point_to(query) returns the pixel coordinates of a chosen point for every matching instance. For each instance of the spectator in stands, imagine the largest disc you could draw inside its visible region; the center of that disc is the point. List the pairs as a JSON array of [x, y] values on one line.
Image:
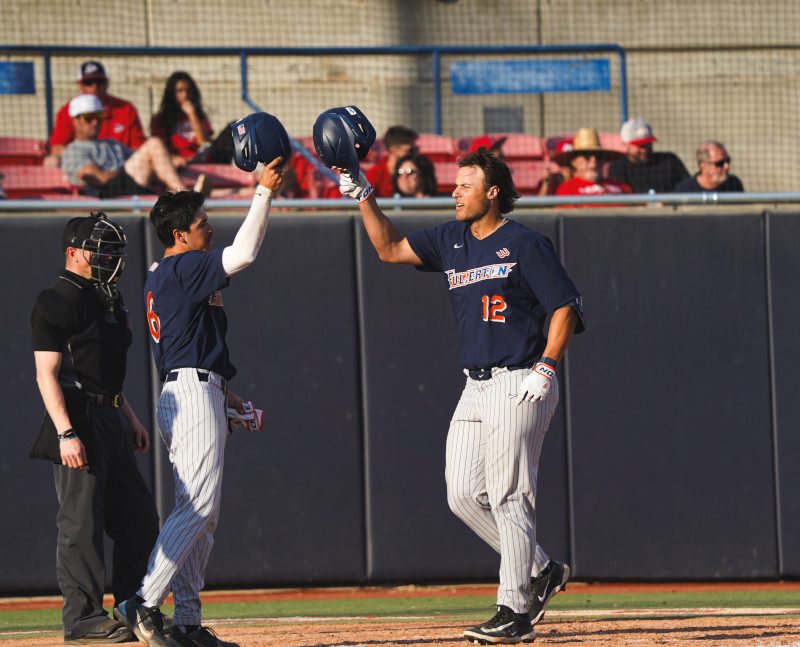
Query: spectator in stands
[[586, 159], [551, 181], [493, 145], [398, 142], [106, 168], [183, 126], [121, 119], [714, 175], [641, 168], [414, 177]]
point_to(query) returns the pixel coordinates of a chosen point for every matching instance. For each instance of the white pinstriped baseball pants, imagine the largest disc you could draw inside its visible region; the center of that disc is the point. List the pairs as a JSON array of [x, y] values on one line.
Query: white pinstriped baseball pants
[[192, 417], [492, 463]]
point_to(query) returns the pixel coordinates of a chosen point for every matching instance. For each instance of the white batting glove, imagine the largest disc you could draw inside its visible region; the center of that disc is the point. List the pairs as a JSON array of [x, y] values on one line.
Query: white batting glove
[[358, 188], [536, 386]]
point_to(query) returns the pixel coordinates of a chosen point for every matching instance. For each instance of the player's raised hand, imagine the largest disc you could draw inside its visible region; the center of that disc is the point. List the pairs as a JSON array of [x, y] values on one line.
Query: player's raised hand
[[536, 386], [272, 175], [358, 188]]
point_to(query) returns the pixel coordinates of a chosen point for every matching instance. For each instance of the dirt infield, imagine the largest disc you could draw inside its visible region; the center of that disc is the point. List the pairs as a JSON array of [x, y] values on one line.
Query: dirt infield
[[619, 627], [733, 631]]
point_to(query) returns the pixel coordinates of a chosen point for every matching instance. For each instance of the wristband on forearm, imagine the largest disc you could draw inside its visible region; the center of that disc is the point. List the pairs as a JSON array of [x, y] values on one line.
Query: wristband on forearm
[[549, 361], [67, 435]]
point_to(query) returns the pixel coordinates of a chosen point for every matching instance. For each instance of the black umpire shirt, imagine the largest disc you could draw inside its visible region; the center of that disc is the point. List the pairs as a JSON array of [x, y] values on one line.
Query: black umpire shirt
[[71, 318]]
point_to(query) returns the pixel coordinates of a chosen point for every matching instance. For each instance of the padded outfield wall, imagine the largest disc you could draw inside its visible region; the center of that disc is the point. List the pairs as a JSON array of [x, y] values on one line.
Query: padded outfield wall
[[671, 455]]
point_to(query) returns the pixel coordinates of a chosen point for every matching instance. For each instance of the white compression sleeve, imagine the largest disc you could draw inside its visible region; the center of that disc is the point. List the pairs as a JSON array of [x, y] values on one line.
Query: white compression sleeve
[[247, 242]]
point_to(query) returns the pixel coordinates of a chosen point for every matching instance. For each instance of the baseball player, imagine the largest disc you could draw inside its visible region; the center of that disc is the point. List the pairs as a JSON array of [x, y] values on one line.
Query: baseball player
[[81, 335], [504, 280], [183, 294]]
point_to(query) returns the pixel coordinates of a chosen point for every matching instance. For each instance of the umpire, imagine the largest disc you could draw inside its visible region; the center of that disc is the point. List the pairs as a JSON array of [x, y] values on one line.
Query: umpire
[[81, 334]]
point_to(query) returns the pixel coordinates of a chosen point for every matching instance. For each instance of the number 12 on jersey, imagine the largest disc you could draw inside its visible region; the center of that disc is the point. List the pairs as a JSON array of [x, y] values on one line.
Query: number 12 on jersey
[[493, 307]]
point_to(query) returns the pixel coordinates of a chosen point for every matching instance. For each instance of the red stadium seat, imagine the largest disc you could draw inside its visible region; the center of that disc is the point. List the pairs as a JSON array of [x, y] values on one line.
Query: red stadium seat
[[222, 176], [612, 141], [519, 146], [437, 148], [21, 151], [445, 176], [528, 174], [22, 181]]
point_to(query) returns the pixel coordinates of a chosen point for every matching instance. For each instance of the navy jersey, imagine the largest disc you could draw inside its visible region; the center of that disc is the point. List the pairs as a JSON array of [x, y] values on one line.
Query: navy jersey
[[184, 311], [501, 288]]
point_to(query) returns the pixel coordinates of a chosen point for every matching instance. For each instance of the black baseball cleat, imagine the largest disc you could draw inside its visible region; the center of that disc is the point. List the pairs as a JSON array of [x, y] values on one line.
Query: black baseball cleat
[[506, 627], [201, 637], [145, 622], [551, 580]]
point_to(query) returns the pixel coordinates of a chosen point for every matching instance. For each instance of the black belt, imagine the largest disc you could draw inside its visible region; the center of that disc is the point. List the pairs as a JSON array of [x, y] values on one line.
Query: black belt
[[202, 375], [486, 373], [114, 400]]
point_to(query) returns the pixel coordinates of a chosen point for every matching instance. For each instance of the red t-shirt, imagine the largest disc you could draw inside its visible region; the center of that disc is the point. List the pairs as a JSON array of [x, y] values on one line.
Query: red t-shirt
[[121, 123], [182, 141], [579, 186], [380, 178]]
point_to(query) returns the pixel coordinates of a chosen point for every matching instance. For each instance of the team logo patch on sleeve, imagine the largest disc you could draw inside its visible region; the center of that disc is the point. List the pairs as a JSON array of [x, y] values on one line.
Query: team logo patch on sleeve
[[215, 299], [460, 279]]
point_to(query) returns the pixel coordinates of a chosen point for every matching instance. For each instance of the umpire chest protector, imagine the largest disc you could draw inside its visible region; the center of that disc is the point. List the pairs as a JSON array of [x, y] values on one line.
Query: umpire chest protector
[[91, 330]]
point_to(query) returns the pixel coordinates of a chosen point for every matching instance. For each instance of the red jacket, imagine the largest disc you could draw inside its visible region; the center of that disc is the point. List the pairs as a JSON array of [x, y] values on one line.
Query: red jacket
[[121, 123]]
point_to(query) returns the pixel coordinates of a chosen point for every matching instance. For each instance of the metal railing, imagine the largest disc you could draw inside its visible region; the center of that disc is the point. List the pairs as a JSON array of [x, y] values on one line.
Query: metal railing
[[138, 205], [435, 52]]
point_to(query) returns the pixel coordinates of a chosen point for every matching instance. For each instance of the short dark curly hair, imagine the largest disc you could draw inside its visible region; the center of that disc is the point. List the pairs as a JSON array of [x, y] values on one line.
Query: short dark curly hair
[[497, 174], [174, 211]]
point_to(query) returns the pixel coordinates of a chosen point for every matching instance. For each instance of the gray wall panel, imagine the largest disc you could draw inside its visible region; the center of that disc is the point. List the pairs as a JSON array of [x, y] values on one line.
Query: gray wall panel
[[670, 398], [784, 240], [413, 380], [292, 509]]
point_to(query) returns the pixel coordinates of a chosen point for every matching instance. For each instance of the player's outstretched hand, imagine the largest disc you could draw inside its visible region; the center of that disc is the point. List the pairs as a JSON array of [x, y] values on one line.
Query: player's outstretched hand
[[358, 188], [272, 175], [536, 386]]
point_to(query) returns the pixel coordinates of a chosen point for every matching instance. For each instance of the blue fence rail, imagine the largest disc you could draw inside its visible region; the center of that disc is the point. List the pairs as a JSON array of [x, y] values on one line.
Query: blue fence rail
[[433, 51]]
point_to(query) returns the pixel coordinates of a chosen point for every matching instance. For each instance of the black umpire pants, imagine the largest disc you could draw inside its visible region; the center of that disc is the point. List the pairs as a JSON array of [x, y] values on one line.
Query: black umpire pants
[[109, 496]]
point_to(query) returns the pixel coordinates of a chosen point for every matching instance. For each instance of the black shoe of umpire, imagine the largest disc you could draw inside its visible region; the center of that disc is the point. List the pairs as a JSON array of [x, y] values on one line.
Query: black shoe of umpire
[[551, 580], [108, 631]]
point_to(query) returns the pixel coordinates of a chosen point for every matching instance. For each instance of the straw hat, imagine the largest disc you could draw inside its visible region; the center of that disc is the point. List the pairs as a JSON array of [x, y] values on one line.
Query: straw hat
[[585, 141]]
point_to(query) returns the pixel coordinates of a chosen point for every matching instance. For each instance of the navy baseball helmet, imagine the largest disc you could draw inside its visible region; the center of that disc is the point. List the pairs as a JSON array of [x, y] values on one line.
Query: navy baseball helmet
[[259, 137], [342, 137]]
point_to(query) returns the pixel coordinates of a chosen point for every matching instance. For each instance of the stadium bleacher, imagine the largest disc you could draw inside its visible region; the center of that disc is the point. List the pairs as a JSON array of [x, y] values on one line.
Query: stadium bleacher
[[527, 156], [21, 151]]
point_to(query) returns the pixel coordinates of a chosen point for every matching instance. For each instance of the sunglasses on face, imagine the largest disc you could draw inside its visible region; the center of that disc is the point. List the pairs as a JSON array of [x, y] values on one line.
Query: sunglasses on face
[[722, 162], [91, 118], [406, 171], [90, 82]]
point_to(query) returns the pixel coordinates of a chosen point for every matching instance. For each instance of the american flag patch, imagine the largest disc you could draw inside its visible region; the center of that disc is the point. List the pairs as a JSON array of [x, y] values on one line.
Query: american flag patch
[[241, 129]]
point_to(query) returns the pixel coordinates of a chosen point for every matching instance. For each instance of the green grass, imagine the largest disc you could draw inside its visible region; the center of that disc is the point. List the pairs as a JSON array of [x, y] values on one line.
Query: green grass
[[466, 608]]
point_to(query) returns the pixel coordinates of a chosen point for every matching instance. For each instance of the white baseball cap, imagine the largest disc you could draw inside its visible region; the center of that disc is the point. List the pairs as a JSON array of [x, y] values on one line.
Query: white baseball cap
[[637, 132], [85, 104]]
